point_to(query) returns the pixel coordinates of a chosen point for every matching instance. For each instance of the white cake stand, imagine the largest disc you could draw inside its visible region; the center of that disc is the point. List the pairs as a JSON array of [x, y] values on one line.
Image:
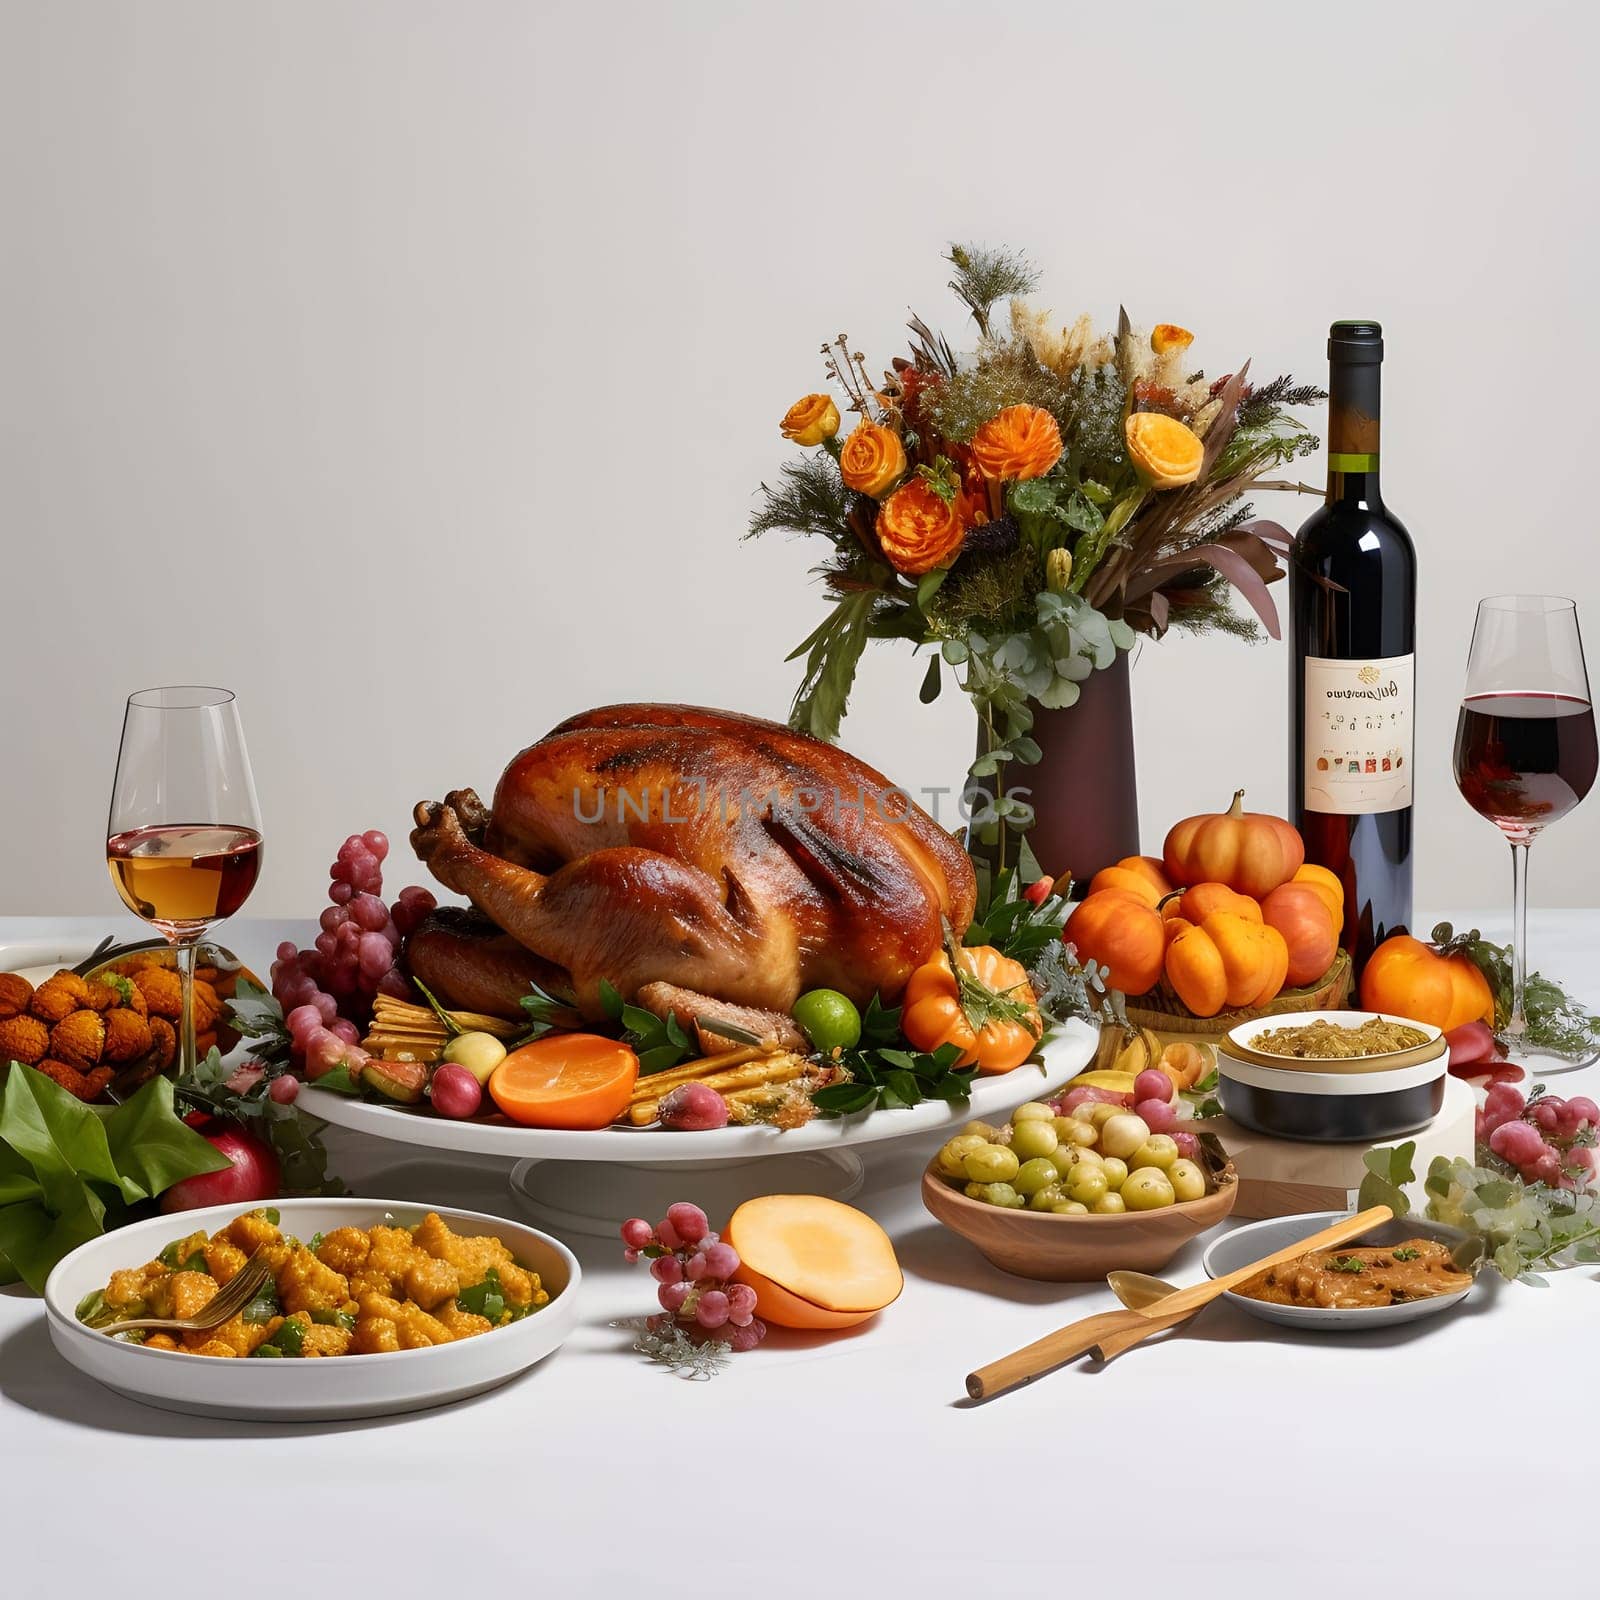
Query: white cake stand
[[588, 1182]]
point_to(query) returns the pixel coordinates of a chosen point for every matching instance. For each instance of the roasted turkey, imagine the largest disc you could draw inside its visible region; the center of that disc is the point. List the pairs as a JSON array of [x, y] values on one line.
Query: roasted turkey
[[705, 863]]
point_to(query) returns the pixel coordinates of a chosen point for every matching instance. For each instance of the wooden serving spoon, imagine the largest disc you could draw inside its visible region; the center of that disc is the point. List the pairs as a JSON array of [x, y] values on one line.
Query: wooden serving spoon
[[1112, 1332]]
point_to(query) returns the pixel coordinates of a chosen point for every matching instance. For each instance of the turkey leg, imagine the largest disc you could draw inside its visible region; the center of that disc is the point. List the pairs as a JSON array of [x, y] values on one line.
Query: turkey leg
[[627, 915]]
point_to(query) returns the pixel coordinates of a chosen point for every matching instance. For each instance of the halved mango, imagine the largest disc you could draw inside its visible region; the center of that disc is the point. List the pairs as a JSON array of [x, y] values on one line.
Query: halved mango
[[813, 1263]]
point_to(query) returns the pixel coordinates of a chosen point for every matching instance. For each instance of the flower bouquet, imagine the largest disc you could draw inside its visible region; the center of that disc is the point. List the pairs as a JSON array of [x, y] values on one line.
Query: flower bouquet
[[1028, 509]]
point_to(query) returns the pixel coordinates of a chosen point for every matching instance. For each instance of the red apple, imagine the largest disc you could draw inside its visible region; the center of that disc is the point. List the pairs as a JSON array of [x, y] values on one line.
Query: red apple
[[252, 1178]]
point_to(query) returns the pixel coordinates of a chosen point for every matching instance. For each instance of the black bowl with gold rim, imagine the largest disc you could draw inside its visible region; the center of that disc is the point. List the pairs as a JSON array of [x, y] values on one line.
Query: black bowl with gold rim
[[1333, 1100]]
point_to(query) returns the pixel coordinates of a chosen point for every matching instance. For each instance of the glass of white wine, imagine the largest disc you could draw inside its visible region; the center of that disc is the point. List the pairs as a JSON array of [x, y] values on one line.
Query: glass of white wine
[[183, 840]]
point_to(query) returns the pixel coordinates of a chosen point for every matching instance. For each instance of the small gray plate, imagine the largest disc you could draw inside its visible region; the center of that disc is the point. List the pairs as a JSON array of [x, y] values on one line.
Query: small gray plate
[[1244, 1245]]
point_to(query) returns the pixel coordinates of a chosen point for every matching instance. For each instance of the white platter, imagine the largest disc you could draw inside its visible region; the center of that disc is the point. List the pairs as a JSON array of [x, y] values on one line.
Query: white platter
[[1066, 1053], [302, 1391], [1244, 1245]]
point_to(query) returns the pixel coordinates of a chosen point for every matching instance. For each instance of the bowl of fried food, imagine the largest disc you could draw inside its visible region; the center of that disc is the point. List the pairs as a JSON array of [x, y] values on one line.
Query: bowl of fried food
[[356, 1308]]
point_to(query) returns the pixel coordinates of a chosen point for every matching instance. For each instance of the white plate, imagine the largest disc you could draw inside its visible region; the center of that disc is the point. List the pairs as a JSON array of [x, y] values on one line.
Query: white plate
[[301, 1391], [1244, 1245], [1066, 1053]]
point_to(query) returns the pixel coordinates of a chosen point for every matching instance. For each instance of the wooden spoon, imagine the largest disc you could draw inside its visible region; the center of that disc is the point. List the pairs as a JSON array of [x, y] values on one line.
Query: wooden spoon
[[1112, 1332], [1136, 1290]]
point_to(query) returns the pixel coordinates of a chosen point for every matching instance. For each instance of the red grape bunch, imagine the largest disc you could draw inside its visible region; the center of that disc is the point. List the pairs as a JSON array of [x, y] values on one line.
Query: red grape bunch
[[1544, 1138], [693, 1269], [326, 992]]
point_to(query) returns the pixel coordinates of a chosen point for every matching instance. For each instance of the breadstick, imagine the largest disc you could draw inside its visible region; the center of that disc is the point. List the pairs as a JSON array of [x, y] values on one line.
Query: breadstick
[[652, 1087], [777, 1068]]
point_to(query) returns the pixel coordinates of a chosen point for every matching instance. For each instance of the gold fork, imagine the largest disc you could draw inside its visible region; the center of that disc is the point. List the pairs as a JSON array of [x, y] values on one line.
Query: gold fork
[[230, 1299]]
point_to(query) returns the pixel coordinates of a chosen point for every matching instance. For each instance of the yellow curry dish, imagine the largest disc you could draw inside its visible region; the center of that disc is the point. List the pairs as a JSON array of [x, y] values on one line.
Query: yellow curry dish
[[350, 1292]]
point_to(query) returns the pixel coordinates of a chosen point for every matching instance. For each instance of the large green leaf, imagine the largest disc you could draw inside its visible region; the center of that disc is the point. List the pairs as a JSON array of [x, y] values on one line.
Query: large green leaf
[[151, 1147], [33, 1238], [55, 1133]]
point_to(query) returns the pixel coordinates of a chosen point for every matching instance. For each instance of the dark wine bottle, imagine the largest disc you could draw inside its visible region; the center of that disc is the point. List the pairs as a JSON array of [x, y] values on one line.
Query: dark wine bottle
[[1352, 601]]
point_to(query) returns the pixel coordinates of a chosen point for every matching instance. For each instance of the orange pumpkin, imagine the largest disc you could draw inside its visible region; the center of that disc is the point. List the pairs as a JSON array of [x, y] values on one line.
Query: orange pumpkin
[[1225, 961], [1247, 850], [1124, 934], [1300, 913], [991, 1012], [1327, 884], [1198, 903], [1408, 978], [1142, 876]]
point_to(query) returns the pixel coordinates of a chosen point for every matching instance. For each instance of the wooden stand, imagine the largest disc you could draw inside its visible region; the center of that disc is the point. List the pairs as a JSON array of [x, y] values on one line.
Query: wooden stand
[[1283, 1177]]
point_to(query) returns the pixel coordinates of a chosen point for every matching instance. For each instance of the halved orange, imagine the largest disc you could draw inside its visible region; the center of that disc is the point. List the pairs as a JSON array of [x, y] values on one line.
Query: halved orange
[[1165, 451], [566, 1080]]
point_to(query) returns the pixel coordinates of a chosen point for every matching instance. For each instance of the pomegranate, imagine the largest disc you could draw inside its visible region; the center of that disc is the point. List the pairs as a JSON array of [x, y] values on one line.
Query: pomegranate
[[252, 1177]]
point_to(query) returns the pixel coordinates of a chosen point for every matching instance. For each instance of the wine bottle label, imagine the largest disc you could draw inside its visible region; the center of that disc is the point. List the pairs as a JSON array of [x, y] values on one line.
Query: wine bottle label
[[1356, 746]]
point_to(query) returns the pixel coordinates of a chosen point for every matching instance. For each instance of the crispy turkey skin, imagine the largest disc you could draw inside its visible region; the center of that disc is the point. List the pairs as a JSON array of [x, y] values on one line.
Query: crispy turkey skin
[[718, 853]]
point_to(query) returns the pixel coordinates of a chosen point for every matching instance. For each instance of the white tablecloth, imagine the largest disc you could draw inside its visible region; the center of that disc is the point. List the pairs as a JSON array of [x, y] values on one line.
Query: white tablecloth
[[1450, 1459]]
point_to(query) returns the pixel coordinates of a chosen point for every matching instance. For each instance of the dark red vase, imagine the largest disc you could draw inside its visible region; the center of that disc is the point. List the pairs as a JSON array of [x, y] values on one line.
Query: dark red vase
[[1083, 791]]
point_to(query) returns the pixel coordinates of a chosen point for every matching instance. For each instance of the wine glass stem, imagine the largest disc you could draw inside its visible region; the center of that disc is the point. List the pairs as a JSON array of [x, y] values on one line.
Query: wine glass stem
[[1518, 1023], [186, 960]]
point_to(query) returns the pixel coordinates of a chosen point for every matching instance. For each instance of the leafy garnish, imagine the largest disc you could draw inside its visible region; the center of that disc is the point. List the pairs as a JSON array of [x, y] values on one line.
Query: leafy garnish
[[659, 1042], [1350, 1264], [1556, 1021], [68, 1171], [545, 1012], [1406, 1253], [891, 1079], [1013, 924], [1514, 1226], [1388, 1172], [1068, 987]]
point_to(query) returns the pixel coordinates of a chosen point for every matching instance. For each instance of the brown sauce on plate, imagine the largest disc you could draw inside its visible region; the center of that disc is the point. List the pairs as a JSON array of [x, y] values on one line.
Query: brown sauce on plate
[[1346, 1279]]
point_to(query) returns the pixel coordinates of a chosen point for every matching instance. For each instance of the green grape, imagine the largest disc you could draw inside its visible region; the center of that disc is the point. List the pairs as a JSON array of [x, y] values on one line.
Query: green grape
[[991, 1163], [1108, 1205], [952, 1155], [1032, 1111], [1002, 1194], [1035, 1175], [1116, 1172], [1070, 1208], [1087, 1184], [1047, 1198], [1030, 1139]]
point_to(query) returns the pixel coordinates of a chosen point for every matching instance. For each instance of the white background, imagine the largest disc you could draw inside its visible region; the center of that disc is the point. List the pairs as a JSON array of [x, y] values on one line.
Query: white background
[[410, 367]]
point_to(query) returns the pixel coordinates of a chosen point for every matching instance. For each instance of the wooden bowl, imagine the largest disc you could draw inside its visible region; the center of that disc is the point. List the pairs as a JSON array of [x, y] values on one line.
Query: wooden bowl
[[1071, 1249]]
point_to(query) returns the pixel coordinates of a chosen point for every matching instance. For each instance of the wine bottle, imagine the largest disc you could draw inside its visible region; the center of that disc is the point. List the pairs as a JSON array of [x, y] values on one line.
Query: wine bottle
[[1352, 601]]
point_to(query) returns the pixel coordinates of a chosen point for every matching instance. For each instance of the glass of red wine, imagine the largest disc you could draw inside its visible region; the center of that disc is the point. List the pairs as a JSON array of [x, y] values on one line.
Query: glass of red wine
[[183, 840], [1525, 744]]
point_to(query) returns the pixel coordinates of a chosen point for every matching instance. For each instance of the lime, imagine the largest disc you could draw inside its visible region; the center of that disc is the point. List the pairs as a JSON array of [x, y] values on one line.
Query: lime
[[830, 1020]]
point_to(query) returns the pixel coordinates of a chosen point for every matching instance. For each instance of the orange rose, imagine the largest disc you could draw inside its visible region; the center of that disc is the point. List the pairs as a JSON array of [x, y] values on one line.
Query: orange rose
[[918, 529], [873, 459], [810, 420], [1020, 442]]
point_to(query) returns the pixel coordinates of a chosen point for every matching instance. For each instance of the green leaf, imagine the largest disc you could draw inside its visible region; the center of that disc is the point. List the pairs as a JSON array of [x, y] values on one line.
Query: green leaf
[[929, 584], [842, 1099], [932, 682], [833, 651], [152, 1147], [1388, 1172], [56, 1134], [254, 1012], [338, 1081], [33, 1239], [610, 1001]]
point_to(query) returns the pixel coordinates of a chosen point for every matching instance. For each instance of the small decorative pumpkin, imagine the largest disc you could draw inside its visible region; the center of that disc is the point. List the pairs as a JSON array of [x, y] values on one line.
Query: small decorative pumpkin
[[1225, 961], [1299, 911], [1408, 978], [1203, 899], [1122, 932], [1326, 883], [1247, 850], [990, 1009], [1141, 876]]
